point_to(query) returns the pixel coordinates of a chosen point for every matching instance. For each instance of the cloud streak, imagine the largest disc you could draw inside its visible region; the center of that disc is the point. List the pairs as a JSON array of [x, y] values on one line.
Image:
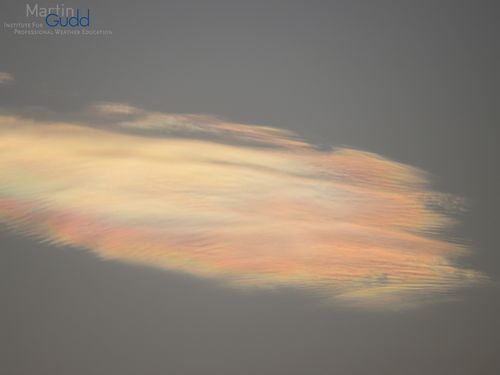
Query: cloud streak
[[253, 206], [6, 78]]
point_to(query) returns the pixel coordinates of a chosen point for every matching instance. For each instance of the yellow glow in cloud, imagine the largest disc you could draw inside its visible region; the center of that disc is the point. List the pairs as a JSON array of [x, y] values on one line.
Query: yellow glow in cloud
[[254, 206]]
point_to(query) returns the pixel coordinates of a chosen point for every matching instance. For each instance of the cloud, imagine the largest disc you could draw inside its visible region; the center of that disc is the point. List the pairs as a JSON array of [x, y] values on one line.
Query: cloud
[[6, 78], [112, 108], [253, 206]]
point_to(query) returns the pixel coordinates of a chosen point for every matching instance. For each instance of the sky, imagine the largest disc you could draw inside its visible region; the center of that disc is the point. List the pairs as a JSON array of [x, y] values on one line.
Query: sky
[[251, 188]]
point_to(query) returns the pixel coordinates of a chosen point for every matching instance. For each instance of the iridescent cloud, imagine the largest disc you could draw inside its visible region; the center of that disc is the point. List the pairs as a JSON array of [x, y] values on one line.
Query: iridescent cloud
[[250, 205]]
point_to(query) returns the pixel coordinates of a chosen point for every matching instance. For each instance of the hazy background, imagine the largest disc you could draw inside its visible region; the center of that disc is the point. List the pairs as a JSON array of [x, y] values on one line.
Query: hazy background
[[416, 81]]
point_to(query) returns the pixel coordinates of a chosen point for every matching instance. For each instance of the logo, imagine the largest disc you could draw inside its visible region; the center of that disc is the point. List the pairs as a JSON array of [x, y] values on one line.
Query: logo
[[55, 20], [59, 16]]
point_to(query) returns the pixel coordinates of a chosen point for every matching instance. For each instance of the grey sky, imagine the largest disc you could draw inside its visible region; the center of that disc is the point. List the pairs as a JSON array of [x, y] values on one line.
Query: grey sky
[[416, 81]]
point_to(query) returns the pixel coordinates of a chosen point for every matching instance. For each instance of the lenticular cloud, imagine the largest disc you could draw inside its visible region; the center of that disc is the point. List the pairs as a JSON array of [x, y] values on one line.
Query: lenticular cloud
[[249, 205]]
